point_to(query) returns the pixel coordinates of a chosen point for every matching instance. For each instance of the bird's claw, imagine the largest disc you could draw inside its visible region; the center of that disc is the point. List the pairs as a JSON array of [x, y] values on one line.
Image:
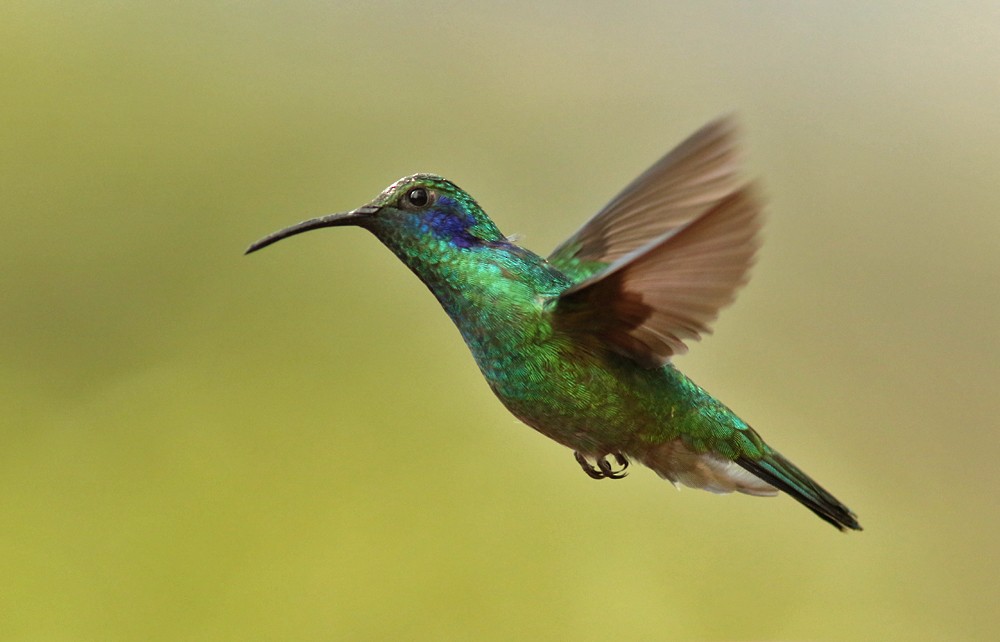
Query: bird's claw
[[592, 472], [604, 469], [604, 464]]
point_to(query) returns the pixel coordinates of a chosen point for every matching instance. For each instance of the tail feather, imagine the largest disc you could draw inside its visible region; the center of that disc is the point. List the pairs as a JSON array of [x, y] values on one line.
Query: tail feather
[[785, 476]]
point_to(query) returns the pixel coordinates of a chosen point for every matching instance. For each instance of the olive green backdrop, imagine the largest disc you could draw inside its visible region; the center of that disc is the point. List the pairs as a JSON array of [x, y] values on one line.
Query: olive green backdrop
[[198, 445]]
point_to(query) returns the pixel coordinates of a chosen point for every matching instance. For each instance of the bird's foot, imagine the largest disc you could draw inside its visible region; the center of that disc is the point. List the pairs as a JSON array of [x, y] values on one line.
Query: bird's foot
[[604, 464], [604, 468]]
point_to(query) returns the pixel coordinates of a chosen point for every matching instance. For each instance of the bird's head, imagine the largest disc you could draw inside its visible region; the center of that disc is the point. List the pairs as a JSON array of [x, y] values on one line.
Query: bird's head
[[417, 211]]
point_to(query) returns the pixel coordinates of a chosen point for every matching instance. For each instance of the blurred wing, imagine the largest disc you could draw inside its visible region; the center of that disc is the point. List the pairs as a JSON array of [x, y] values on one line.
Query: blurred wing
[[681, 186], [649, 302]]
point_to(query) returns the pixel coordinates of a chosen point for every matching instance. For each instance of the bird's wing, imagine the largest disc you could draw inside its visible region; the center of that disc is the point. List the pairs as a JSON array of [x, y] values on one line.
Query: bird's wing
[[680, 187], [648, 302]]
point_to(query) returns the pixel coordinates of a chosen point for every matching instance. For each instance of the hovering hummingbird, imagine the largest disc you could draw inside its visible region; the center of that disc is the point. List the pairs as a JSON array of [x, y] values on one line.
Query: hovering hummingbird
[[579, 345]]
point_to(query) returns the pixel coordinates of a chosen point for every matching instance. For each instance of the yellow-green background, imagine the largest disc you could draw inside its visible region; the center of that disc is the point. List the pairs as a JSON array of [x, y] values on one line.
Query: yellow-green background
[[197, 445]]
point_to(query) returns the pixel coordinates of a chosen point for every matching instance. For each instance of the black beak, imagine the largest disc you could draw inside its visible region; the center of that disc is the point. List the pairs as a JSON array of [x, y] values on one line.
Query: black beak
[[354, 217]]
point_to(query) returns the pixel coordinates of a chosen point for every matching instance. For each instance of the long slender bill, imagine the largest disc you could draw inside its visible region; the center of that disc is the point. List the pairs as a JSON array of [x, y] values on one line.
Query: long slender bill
[[354, 217]]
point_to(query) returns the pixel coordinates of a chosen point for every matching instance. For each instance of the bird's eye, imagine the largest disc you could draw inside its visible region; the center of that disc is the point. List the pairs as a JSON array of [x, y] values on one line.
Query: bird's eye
[[417, 197]]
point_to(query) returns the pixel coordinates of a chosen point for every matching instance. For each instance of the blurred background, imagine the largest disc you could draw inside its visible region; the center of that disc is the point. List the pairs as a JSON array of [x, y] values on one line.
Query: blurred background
[[199, 445]]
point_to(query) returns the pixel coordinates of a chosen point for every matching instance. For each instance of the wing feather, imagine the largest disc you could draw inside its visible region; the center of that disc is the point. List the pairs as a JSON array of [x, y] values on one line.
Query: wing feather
[[651, 300], [681, 186]]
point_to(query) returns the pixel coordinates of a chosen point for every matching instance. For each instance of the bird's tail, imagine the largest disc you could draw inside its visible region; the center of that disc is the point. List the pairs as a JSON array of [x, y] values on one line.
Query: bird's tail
[[785, 476]]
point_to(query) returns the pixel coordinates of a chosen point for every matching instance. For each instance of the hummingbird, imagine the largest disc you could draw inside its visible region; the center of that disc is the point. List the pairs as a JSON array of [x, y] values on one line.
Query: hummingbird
[[579, 345]]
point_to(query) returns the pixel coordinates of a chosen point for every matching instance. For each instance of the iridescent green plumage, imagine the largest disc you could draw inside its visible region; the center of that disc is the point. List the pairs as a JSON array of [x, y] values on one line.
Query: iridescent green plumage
[[578, 346]]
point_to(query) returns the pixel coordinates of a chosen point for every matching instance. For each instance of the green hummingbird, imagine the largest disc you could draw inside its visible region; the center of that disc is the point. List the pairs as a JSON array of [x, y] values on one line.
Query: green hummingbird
[[579, 345]]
